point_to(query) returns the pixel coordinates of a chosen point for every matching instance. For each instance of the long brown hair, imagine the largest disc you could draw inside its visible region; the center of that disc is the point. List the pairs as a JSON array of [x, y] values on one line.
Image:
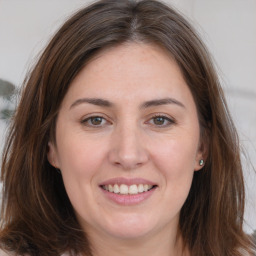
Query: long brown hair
[[37, 217]]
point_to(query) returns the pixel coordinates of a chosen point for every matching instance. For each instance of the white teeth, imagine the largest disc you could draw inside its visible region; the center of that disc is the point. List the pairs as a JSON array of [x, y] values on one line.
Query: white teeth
[[116, 189], [145, 187], [141, 188], [125, 190], [133, 189], [110, 188]]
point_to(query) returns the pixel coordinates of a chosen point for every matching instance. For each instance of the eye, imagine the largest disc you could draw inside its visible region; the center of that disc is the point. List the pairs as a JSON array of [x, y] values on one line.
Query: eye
[[161, 121], [94, 121]]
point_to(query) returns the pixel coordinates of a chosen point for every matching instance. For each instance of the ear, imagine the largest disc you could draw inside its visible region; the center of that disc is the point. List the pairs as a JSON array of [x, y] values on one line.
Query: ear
[[202, 153], [52, 155]]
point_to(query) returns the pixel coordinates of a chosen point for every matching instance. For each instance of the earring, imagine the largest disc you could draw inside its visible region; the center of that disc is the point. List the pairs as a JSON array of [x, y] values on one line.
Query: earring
[[201, 162], [57, 169]]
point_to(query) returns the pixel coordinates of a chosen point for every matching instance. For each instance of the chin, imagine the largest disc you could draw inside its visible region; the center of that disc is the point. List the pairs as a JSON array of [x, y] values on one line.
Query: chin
[[130, 227]]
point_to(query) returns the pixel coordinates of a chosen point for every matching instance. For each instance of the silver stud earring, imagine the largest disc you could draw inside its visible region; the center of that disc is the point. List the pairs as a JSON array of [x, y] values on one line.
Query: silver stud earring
[[201, 162]]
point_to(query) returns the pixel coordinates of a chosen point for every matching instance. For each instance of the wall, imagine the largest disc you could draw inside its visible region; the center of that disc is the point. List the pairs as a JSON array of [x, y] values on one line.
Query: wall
[[227, 26]]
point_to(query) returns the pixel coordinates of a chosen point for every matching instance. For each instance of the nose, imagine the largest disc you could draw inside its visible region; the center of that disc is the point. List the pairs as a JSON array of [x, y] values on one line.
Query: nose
[[127, 149]]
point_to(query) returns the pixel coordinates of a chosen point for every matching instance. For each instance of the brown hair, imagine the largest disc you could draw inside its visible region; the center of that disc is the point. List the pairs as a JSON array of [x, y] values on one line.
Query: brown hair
[[37, 216]]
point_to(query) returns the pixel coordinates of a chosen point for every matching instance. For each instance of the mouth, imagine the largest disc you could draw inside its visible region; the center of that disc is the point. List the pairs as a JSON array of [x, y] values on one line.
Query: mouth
[[124, 189], [129, 191]]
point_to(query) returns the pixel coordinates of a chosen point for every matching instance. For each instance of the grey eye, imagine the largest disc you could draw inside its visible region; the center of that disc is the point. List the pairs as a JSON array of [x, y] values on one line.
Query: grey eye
[[97, 120], [94, 121], [160, 120]]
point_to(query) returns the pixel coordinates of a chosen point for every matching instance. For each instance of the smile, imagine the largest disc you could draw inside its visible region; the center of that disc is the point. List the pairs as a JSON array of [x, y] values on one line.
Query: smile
[[128, 191], [124, 189]]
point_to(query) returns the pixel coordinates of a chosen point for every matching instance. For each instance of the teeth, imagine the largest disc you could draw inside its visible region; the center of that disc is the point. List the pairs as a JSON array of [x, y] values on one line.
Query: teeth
[[145, 187], [110, 188], [125, 190], [116, 189], [141, 188], [133, 189]]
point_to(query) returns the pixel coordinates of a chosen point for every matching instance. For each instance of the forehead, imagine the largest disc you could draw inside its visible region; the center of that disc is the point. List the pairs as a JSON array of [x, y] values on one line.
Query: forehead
[[128, 72], [132, 59]]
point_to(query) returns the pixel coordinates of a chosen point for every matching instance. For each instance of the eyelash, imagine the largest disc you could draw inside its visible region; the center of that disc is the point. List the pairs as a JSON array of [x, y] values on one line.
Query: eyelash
[[164, 117], [89, 119]]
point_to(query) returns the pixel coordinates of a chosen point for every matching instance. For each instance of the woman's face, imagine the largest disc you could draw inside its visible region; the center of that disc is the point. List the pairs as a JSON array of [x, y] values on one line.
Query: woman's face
[[128, 142]]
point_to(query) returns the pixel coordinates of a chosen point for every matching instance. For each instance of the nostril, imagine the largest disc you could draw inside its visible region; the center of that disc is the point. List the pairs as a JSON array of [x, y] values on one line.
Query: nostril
[[128, 154]]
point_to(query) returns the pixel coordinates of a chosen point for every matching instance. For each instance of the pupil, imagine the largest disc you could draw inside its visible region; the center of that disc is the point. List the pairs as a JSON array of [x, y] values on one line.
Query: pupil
[[159, 120], [96, 120]]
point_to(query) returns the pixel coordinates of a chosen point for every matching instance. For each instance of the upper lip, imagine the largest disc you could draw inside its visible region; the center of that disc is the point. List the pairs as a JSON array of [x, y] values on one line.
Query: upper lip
[[127, 181]]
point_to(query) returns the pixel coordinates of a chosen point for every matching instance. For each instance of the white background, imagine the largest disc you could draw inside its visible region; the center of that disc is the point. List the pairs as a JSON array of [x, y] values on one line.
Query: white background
[[228, 27]]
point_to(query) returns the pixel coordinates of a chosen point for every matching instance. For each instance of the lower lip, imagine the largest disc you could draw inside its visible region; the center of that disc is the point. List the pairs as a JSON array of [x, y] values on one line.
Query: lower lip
[[128, 199]]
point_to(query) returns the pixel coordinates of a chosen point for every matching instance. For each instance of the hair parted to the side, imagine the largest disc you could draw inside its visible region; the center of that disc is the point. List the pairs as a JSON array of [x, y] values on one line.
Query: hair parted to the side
[[37, 217]]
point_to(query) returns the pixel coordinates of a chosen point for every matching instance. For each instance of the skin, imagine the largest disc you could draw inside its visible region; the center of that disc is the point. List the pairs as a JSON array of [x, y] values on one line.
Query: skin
[[129, 141]]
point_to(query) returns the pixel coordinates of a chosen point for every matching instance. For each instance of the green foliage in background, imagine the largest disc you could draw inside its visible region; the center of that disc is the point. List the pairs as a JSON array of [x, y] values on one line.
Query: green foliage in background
[[7, 92]]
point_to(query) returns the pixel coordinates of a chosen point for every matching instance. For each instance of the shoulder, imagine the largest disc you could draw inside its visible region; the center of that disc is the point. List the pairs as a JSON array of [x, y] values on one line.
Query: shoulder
[[5, 253]]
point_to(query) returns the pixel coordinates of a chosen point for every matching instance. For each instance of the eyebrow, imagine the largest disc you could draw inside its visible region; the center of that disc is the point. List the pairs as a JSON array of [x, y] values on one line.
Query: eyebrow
[[93, 101], [147, 104], [159, 102]]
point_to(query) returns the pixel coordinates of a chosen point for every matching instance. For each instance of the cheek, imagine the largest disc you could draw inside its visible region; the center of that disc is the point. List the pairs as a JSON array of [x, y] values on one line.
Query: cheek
[[80, 157], [80, 163], [176, 153], [175, 159]]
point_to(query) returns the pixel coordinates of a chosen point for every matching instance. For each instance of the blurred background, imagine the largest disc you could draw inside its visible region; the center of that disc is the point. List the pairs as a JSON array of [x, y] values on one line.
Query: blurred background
[[228, 27]]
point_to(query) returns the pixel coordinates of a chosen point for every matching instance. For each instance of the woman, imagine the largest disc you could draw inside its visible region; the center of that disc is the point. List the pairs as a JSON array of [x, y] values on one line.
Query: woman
[[122, 143]]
